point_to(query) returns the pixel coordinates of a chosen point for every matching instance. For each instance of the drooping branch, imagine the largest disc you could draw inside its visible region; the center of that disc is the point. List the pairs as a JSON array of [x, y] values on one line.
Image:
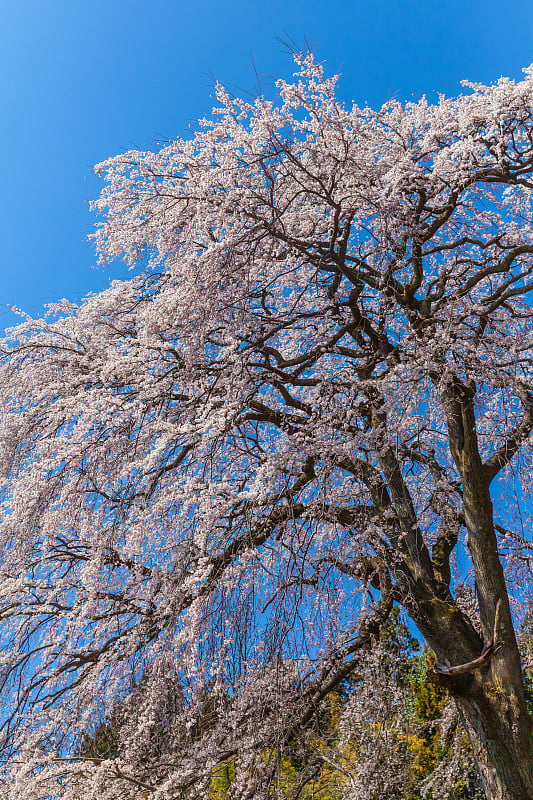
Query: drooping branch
[[503, 456], [278, 414]]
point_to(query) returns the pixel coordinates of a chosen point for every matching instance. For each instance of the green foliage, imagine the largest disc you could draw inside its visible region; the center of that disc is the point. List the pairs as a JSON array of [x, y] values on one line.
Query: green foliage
[[407, 728], [102, 744], [428, 702], [331, 765], [221, 781], [526, 648]]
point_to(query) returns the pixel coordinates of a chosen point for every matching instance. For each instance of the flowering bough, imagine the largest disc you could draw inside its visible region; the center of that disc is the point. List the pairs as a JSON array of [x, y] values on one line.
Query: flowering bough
[[221, 474]]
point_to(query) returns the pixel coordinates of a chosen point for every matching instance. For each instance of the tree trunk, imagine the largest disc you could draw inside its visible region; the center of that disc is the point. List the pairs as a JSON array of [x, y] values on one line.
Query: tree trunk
[[490, 697], [490, 700], [500, 734]]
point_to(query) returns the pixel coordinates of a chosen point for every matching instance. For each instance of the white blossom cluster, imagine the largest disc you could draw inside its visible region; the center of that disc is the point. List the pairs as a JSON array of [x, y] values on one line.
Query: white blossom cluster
[[215, 470]]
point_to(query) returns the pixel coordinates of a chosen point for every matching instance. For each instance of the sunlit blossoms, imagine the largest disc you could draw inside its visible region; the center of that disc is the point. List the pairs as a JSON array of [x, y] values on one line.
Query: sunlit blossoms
[[308, 402]]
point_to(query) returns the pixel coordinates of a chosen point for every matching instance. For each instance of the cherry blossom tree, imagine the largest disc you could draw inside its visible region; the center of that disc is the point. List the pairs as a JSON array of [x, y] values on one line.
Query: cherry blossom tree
[[309, 402]]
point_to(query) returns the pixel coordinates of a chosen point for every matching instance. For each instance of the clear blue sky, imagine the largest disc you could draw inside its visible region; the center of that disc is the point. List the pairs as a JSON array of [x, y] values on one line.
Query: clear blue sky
[[81, 80]]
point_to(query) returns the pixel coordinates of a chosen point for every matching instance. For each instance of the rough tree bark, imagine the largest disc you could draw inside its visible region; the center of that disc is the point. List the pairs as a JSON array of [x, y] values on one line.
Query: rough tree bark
[[491, 697], [482, 673]]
